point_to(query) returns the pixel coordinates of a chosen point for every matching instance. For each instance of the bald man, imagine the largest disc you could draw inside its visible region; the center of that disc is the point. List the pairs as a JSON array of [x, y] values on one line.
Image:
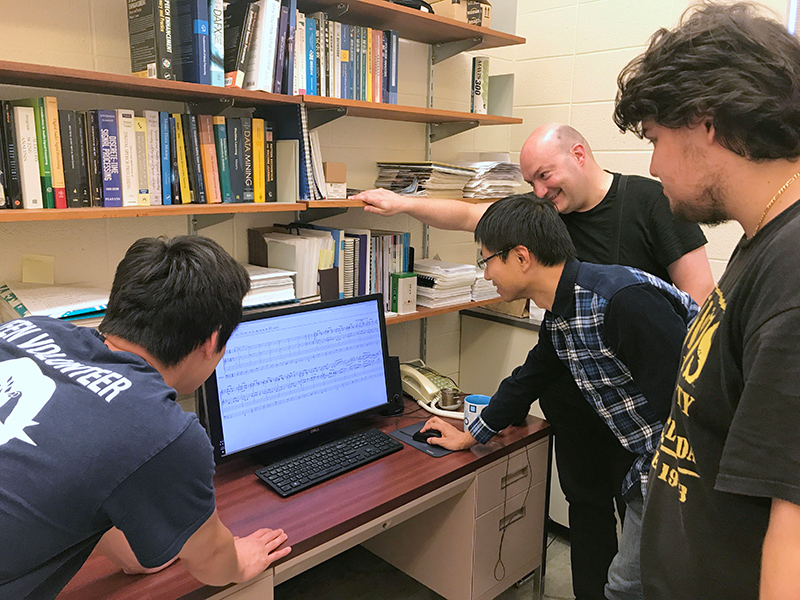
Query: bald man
[[612, 219]]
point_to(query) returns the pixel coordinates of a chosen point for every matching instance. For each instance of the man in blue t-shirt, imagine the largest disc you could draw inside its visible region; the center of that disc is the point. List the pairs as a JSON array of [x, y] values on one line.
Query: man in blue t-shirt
[[95, 452]]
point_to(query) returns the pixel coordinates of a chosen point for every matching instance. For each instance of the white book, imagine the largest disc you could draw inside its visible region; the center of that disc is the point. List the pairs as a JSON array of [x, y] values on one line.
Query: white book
[[287, 170], [126, 146], [142, 161], [261, 68], [337, 60], [25, 128], [300, 61], [154, 155]]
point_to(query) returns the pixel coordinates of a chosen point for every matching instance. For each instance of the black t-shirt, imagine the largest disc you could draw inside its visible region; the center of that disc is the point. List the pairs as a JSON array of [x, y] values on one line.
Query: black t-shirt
[[732, 442], [90, 438], [651, 237]]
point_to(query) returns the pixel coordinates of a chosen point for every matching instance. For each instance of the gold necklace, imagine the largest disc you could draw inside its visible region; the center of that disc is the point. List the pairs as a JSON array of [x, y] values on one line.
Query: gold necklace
[[774, 198]]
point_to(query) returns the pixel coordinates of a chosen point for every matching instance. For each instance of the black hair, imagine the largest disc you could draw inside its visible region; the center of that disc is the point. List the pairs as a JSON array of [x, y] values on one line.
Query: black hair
[[169, 296], [725, 63], [525, 220]]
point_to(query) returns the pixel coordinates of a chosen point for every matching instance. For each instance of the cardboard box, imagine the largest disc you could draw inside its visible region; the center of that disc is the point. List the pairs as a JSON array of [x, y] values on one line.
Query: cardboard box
[[479, 12], [335, 172], [451, 9]]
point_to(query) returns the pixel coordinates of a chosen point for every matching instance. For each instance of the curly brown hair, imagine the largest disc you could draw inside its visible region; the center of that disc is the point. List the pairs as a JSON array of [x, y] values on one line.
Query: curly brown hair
[[725, 63]]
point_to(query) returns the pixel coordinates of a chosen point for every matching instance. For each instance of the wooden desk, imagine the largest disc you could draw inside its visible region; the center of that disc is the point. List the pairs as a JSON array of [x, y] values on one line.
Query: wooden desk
[[348, 510]]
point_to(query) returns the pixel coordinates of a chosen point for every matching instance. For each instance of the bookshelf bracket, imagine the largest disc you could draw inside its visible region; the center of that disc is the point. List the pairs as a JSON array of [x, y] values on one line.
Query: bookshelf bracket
[[198, 222], [445, 50], [315, 214], [210, 107], [320, 116], [440, 131]]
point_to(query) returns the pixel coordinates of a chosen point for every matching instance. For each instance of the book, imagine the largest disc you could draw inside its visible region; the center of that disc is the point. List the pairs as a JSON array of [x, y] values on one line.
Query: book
[[216, 17], [109, 157], [370, 65], [287, 163], [150, 38], [300, 59], [193, 44], [321, 60], [260, 73], [392, 64], [153, 133], [311, 56], [208, 155], [175, 172], [182, 161], [27, 151], [165, 153], [142, 161], [344, 58], [223, 162], [93, 156], [194, 161], [280, 50], [13, 189], [270, 184], [128, 164], [337, 60], [355, 57], [42, 149], [236, 158], [291, 122], [240, 26], [76, 173], [479, 99], [56, 156], [385, 68], [259, 159], [377, 65], [4, 202], [248, 192], [19, 299]]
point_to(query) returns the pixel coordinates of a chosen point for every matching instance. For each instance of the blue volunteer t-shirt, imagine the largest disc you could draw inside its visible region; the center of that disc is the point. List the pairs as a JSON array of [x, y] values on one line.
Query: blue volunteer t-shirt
[[90, 439]]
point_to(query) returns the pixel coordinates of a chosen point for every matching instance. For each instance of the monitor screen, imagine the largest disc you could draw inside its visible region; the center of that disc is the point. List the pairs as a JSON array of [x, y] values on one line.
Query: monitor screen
[[291, 370]]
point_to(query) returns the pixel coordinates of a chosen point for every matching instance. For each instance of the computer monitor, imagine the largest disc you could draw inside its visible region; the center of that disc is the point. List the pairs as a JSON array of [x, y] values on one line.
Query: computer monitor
[[293, 371]]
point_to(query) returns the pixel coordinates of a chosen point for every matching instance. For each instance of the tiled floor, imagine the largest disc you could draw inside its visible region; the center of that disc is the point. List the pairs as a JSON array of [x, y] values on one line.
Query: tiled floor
[[360, 575]]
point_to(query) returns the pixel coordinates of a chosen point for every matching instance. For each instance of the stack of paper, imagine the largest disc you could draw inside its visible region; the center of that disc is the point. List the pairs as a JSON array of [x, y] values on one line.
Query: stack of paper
[[268, 286], [493, 179], [451, 282], [304, 254], [483, 289], [424, 178], [68, 302]]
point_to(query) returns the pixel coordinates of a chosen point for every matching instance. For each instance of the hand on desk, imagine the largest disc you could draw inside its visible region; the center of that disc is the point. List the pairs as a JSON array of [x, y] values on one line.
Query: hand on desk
[[259, 550], [452, 438]]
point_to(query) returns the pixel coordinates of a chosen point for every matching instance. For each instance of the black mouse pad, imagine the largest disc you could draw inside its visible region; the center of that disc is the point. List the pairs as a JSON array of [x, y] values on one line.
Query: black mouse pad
[[404, 435]]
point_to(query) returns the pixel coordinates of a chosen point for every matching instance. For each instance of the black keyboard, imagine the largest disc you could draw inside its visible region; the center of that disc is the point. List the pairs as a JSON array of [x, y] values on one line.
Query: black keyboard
[[299, 472]]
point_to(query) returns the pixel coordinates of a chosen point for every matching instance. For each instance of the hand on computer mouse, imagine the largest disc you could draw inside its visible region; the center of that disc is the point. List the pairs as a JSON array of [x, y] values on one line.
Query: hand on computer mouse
[[449, 437], [424, 436]]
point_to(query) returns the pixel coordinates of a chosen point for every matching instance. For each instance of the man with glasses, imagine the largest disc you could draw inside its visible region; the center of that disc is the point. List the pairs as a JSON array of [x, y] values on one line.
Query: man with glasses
[[617, 330], [611, 219]]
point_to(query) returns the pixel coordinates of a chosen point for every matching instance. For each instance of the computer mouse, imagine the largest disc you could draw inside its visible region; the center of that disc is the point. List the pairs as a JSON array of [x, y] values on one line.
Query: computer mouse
[[423, 436]]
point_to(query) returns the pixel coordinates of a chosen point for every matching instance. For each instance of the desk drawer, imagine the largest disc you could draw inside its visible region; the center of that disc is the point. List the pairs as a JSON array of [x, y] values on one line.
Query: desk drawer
[[509, 478], [522, 542]]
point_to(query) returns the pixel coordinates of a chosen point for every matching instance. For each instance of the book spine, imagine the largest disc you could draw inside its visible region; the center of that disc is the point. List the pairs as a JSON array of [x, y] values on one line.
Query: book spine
[[223, 162], [42, 149], [337, 59], [364, 65], [150, 38], [393, 65], [208, 154], [289, 64], [154, 156], [248, 194], [480, 80], [370, 66], [93, 157], [13, 183], [83, 161], [164, 160], [300, 61], [193, 41], [311, 56], [142, 161], [269, 15], [280, 54], [174, 171], [270, 183], [236, 158], [56, 156], [259, 192], [344, 57], [191, 137], [355, 54], [216, 18], [320, 61], [109, 157], [70, 144], [377, 65], [385, 67], [27, 147], [182, 160], [239, 43], [126, 144]]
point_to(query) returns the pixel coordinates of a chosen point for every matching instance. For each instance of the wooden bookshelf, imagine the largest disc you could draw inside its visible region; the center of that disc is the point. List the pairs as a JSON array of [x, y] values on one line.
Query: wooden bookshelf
[[410, 23], [344, 203], [423, 313]]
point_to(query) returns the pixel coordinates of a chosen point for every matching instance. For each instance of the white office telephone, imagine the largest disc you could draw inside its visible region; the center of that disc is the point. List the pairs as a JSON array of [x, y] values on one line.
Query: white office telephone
[[425, 385]]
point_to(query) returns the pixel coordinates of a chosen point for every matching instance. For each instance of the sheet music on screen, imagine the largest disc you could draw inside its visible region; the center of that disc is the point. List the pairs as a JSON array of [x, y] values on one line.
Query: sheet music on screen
[[288, 373]]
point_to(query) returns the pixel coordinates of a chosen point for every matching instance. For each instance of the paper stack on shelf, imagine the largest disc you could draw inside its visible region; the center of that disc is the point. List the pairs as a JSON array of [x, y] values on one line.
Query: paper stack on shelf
[[268, 286], [483, 289], [424, 178], [493, 179], [305, 254], [68, 302], [450, 283]]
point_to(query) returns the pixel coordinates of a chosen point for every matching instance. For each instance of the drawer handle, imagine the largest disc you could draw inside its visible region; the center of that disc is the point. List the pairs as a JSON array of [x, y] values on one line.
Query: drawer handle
[[508, 520], [514, 477]]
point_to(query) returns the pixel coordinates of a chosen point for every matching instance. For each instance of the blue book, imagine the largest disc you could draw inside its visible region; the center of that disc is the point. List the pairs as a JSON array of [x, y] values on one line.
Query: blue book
[[166, 161], [311, 54], [347, 94], [385, 68], [288, 76], [394, 41], [109, 157], [280, 57], [216, 16], [194, 52]]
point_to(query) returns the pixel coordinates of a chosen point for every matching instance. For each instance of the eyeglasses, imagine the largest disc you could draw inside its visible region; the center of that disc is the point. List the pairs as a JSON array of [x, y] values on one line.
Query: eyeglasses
[[482, 261]]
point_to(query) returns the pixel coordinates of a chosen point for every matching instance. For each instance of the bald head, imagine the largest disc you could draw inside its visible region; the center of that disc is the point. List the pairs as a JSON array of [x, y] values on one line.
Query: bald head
[[554, 138]]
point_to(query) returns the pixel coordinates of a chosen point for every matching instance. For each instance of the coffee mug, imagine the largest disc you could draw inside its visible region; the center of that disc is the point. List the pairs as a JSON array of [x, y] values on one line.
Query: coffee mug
[[473, 405]]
